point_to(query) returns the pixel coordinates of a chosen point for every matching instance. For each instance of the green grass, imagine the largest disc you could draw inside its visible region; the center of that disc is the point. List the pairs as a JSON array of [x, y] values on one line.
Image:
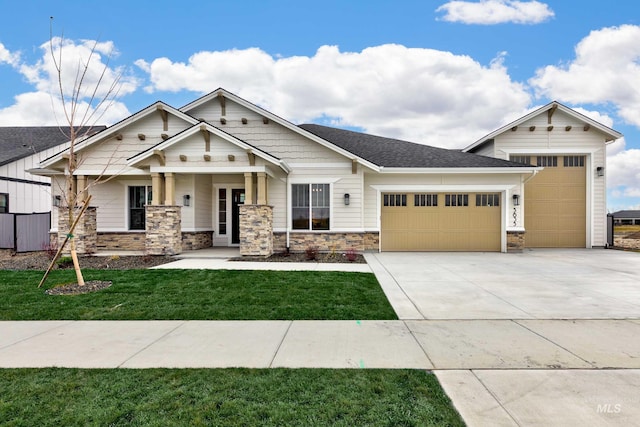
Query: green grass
[[223, 397], [197, 295]]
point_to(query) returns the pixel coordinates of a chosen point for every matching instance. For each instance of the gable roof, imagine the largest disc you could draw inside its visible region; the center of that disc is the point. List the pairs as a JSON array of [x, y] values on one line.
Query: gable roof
[[20, 142], [157, 106], [610, 133], [277, 119], [214, 130], [396, 153]]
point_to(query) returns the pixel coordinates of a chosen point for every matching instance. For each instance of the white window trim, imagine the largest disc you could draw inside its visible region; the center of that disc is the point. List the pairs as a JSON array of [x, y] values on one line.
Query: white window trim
[[318, 180]]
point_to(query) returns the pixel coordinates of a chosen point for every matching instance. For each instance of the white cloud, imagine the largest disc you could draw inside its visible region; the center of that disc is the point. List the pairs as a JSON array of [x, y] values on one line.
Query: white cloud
[[8, 57], [490, 12], [44, 107], [421, 95], [605, 70], [623, 172]]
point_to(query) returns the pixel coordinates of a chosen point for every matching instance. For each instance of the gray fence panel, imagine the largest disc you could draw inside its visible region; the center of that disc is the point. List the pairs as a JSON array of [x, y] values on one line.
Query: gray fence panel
[[32, 232], [7, 232]]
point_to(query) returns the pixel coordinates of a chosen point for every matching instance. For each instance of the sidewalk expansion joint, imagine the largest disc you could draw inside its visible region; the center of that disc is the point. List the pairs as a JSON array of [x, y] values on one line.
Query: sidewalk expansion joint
[[37, 335], [413, 335], [275, 353], [496, 399], [151, 343]]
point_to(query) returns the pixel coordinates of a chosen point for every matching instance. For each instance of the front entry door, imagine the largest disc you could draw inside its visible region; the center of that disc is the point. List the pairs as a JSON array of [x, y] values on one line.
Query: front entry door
[[237, 196]]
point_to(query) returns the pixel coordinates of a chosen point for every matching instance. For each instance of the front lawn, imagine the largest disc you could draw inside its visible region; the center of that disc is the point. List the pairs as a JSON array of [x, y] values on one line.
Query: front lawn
[[223, 397], [197, 295]]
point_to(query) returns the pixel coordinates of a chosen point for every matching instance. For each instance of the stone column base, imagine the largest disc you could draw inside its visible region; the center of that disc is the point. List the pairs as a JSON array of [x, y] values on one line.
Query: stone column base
[[85, 233], [164, 233], [515, 241], [256, 230]]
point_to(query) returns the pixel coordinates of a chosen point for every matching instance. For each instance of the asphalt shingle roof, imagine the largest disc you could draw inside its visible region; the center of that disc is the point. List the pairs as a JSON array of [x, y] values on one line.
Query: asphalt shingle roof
[[627, 214], [18, 142], [395, 153]]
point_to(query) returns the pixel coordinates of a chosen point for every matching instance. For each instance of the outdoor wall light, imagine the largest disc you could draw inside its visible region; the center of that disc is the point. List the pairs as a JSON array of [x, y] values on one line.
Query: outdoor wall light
[[346, 199], [600, 171], [57, 201], [516, 200], [186, 200]]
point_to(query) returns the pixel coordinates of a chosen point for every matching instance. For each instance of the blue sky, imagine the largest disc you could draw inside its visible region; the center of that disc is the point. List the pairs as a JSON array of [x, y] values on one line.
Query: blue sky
[[440, 72]]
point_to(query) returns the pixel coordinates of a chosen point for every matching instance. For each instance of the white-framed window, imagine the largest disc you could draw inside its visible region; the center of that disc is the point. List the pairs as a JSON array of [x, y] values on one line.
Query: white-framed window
[[573, 161], [456, 200], [222, 211], [488, 199], [425, 200], [547, 161], [139, 196], [310, 206], [395, 200]]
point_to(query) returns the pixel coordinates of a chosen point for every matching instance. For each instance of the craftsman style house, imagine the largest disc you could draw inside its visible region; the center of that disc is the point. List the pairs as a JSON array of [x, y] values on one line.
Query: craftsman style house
[[222, 171]]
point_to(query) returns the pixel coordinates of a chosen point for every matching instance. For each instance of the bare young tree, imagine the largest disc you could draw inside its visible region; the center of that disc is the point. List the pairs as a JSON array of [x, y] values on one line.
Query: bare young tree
[[84, 92]]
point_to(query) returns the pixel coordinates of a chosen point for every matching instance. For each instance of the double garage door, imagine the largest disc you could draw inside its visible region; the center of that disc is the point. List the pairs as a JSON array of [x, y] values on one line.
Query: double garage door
[[440, 222]]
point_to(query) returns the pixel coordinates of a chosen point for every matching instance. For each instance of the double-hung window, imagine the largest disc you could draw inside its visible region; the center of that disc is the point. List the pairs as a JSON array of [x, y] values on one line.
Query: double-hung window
[[139, 196], [310, 206], [4, 203]]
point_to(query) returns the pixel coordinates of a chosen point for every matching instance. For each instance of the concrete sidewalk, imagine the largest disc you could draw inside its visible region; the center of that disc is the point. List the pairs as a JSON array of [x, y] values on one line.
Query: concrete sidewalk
[[418, 344]]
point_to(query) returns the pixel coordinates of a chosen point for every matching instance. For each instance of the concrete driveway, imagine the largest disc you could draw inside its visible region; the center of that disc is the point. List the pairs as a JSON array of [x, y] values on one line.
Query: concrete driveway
[[537, 284], [546, 337]]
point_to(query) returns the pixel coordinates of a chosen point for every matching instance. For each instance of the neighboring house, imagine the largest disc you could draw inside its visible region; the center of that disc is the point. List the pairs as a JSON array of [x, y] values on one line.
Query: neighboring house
[[21, 149], [222, 171], [629, 217]]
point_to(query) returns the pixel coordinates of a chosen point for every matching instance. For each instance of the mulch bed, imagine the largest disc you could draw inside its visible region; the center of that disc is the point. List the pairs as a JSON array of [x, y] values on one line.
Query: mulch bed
[[75, 289], [40, 261], [302, 257]]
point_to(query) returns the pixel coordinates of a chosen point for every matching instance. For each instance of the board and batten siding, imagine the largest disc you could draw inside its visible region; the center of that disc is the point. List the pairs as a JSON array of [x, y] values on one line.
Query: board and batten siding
[[28, 197], [271, 137], [562, 140]]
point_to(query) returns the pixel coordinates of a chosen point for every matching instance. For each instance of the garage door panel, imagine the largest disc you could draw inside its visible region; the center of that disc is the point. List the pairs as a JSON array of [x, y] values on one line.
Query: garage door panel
[[441, 228], [555, 207]]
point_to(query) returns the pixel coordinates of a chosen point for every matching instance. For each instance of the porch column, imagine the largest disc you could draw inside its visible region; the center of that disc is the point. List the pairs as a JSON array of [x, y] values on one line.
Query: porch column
[[170, 188], [156, 191], [81, 188], [262, 188], [248, 188]]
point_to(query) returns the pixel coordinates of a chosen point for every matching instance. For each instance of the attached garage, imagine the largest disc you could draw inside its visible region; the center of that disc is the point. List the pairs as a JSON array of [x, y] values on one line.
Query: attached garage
[[556, 204], [440, 222]]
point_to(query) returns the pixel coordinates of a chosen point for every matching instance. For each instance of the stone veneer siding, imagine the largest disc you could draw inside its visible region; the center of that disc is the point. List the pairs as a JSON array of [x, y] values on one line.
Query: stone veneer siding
[[163, 236], [515, 241], [84, 234], [327, 242], [192, 240], [256, 230], [133, 241]]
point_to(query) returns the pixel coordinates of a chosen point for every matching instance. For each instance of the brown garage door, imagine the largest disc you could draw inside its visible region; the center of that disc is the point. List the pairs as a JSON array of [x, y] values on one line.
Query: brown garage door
[[440, 222], [555, 203]]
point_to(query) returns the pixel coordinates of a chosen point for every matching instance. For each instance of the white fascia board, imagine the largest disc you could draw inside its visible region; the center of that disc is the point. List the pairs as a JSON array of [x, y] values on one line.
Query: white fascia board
[[120, 172], [443, 187], [208, 170], [459, 171], [312, 165], [534, 151], [259, 110], [44, 172], [112, 129], [612, 133]]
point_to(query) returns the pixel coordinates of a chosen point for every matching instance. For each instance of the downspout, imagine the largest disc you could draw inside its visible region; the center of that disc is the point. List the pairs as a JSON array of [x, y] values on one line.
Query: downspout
[[535, 172]]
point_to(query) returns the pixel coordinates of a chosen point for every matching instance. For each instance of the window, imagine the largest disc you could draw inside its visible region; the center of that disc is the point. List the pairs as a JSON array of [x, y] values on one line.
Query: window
[[573, 161], [139, 196], [310, 206], [456, 200], [222, 211], [4, 203], [488, 199], [526, 160], [425, 200], [395, 200], [548, 161]]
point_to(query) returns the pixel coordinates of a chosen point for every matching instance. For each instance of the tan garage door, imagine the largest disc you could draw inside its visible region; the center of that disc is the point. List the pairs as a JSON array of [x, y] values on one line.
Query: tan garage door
[[440, 222], [555, 203]]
